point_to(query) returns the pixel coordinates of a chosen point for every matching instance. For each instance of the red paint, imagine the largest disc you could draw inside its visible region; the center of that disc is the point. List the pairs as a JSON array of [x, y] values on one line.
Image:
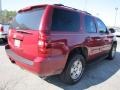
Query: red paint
[[49, 50], [1, 28]]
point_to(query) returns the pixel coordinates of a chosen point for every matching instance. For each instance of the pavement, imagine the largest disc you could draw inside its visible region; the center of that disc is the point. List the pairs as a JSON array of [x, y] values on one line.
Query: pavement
[[100, 75]]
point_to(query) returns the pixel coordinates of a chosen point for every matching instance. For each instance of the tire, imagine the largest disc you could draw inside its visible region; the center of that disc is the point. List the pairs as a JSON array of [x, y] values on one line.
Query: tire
[[112, 52], [0, 39], [4, 40], [76, 64]]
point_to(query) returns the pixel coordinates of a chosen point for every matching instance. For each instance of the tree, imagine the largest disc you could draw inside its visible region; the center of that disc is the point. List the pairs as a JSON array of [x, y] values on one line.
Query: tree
[[6, 16]]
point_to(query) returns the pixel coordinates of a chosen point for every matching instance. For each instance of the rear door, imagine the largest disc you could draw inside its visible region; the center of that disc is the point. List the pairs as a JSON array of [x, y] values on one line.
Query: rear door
[[93, 39], [24, 33], [64, 30]]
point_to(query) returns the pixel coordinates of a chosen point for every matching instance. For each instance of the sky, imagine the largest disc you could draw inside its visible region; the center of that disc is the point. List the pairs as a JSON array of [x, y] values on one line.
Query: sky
[[104, 9]]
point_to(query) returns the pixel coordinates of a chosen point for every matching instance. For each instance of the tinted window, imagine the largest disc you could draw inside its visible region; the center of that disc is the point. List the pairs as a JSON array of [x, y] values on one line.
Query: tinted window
[[64, 20], [89, 24], [27, 20], [101, 26]]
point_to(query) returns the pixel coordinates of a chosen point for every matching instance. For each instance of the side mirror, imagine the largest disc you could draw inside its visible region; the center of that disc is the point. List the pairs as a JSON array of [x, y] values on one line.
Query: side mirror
[[101, 31], [112, 30]]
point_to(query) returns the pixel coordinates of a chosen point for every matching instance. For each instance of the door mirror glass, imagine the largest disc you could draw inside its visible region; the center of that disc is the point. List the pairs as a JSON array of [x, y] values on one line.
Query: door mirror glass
[[101, 31]]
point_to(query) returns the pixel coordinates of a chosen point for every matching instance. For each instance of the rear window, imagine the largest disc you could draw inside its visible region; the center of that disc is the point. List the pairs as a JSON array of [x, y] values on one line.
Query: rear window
[[65, 20], [28, 20]]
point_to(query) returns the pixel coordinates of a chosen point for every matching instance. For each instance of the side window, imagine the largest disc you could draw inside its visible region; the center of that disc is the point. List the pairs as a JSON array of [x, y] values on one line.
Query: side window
[[101, 26], [64, 20], [89, 24]]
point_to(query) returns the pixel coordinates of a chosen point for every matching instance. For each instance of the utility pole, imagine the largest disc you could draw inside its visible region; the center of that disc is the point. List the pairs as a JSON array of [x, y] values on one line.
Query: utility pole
[[85, 5], [0, 5], [116, 10], [0, 11]]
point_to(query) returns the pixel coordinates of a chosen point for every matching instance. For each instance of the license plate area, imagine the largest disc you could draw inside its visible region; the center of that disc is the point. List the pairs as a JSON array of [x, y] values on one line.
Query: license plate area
[[17, 43]]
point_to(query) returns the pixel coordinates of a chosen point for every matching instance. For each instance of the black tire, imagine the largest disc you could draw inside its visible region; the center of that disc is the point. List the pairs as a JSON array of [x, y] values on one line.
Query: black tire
[[66, 74], [4, 40], [112, 52], [1, 39]]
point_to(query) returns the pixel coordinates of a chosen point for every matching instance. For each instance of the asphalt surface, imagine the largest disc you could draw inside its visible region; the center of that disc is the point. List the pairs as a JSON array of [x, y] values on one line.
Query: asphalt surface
[[100, 75]]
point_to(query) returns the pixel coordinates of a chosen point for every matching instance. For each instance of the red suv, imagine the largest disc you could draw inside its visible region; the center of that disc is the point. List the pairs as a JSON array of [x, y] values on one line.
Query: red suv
[[56, 39]]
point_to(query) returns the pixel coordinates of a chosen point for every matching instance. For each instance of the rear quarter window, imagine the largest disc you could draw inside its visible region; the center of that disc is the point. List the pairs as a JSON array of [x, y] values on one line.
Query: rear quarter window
[[65, 21]]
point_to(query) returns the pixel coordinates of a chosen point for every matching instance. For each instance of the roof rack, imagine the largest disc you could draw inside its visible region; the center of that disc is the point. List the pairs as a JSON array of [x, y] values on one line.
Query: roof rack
[[66, 6], [59, 4], [86, 12], [72, 8]]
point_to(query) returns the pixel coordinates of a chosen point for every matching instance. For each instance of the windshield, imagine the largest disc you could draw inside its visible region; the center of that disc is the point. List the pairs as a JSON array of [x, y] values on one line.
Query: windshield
[[28, 20]]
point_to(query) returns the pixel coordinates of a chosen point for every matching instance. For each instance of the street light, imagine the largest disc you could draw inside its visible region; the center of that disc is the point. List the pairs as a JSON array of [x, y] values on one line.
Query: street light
[[0, 5], [85, 6], [0, 11], [116, 10]]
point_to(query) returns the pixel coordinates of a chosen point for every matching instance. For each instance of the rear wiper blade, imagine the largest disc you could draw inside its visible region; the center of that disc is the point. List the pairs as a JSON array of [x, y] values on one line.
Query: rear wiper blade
[[21, 31]]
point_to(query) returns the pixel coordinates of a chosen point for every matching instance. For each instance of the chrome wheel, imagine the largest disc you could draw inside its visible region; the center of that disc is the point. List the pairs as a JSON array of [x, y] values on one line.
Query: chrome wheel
[[76, 69]]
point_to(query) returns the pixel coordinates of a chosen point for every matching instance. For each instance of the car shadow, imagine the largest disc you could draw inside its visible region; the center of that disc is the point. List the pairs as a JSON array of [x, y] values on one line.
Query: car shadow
[[3, 43], [95, 73]]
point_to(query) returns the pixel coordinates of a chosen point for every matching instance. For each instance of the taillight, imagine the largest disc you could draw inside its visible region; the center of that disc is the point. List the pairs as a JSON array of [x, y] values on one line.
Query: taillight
[[42, 43], [1, 29]]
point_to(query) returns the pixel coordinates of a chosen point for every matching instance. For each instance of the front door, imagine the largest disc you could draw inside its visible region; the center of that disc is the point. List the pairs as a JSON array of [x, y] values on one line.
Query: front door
[[93, 39], [105, 38]]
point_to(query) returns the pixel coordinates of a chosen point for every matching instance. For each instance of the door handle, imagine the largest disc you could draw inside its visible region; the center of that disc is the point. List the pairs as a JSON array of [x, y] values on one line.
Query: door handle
[[88, 38], [98, 39]]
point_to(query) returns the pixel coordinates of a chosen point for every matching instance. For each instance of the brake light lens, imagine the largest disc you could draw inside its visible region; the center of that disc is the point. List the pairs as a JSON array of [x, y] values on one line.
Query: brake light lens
[[1, 29], [42, 46], [42, 43]]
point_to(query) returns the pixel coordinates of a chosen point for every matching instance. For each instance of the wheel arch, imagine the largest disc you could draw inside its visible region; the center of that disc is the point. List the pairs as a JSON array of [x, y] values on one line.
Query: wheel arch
[[81, 50]]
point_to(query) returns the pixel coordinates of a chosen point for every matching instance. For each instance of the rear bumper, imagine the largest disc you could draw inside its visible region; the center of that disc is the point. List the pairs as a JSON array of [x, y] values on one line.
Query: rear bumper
[[40, 65], [18, 58]]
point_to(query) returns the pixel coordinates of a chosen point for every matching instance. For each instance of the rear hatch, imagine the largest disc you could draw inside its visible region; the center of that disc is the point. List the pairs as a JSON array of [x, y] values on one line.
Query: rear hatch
[[24, 32]]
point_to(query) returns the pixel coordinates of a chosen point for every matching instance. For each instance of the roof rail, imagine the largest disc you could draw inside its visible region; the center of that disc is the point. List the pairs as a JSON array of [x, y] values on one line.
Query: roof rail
[[65, 6], [59, 4], [72, 8], [86, 12]]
